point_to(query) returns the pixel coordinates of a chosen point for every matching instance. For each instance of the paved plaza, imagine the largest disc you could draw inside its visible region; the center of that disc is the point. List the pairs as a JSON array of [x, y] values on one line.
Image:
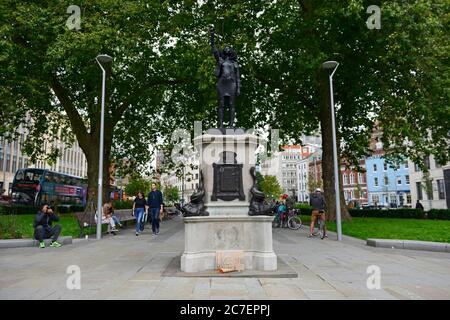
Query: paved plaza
[[130, 267]]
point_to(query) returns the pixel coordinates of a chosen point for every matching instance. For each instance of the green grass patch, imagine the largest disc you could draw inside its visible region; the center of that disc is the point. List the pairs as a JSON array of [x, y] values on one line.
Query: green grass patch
[[21, 226], [392, 228]]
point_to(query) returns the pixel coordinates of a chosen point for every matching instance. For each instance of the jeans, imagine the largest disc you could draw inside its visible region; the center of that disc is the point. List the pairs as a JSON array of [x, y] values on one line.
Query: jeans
[[116, 220], [138, 213], [155, 219], [40, 233]]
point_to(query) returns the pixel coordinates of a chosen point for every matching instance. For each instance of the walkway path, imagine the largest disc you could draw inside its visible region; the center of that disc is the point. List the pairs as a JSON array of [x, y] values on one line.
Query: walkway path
[[130, 267]]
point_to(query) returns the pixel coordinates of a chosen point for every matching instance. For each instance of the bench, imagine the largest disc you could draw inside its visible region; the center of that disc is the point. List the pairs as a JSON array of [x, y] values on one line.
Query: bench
[[88, 219]]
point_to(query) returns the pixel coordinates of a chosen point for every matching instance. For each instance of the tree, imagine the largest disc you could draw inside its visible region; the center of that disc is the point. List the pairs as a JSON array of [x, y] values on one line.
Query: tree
[[163, 70], [271, 187], [49, 75], [171, 194], [137, 184], [314, 183]]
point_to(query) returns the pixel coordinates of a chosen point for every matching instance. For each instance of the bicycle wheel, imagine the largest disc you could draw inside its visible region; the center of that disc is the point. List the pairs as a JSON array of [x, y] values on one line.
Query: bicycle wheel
[[321, 229], [294, 223]]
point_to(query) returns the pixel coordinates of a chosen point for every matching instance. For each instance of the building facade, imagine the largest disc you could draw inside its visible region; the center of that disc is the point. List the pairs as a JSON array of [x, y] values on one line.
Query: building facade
[[436, 193], [354, 183], [186, 179], [388, 186], [71, 160]]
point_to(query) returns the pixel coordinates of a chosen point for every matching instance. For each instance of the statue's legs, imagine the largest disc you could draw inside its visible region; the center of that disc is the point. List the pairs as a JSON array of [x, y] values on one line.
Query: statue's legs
[[232, 112], [220, 112]]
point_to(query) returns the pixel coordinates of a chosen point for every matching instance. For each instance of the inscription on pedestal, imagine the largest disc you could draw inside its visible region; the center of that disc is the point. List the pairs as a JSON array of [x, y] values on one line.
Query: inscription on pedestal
[[228, 183]]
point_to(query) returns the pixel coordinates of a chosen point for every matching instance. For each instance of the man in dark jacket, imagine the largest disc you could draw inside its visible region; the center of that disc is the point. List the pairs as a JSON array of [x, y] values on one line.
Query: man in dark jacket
[[43, 227], [317, 202], [155, 204], [419, 205]]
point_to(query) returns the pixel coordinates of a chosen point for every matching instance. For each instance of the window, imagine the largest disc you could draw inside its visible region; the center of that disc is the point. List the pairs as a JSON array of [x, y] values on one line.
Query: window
[[385, 167], [399, 181], [374, 168], [360, 177], [441, 189], [386, 181], [14, 164], [345, 177], [419, 191], [352, 178], [408, 198], [427, 162], [1, 161], [437, 164], [430, 192], [375, 199], [375, 182], [416, 167], [406, 165], [8, 162], [407, 179]]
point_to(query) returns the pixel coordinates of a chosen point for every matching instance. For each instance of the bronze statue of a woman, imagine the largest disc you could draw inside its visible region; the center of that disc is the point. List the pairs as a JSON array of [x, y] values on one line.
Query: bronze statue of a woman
[[229, 83]]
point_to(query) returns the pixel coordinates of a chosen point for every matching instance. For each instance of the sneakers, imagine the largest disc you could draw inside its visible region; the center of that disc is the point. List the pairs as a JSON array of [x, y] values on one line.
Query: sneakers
[[42, 244], [311, 235], [55, 244], [157, 231], [137, 233]]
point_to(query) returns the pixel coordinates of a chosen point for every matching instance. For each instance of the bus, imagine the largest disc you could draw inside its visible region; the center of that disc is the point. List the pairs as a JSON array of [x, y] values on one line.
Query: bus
[[34, 187]]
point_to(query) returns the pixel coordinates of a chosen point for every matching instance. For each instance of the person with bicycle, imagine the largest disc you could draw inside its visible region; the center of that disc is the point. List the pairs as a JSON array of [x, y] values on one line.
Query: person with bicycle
[[318, 204]]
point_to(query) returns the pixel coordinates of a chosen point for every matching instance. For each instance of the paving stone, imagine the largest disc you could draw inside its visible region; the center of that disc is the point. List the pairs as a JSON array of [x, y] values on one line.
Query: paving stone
[[124, 267]]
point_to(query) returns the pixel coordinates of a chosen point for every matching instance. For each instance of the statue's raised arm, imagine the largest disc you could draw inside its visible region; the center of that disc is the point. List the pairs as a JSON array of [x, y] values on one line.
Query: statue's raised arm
[[214, 50]]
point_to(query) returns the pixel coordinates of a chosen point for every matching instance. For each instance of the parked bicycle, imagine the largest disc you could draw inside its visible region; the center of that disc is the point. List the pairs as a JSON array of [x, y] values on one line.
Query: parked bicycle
[[288, 219]]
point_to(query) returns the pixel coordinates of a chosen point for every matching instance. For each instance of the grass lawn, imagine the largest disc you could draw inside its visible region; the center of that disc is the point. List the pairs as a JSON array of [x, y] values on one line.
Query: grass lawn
[[24, 224], [391, 228]]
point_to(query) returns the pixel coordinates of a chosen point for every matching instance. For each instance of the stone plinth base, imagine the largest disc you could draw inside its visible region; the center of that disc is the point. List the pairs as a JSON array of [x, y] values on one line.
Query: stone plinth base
[[204, 236]]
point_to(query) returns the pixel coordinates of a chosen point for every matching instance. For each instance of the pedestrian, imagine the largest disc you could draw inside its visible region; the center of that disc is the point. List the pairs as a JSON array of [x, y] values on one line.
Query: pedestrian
[[155, 202], [43, 228], [139, 207], [317, 202], [107, 217], [419, 205], [108, 210]]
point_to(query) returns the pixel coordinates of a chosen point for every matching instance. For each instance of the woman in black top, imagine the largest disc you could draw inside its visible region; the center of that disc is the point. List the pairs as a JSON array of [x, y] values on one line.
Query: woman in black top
[[139, 207]]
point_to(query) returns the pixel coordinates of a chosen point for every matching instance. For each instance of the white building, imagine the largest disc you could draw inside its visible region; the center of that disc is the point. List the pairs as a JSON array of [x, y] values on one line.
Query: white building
[[303, 173], [438, 197], [186, 182], [284, 166], [71, 160]]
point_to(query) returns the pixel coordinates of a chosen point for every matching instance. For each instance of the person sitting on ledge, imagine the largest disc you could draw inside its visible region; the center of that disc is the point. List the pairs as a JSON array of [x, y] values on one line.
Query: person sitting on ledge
[[43, 227]]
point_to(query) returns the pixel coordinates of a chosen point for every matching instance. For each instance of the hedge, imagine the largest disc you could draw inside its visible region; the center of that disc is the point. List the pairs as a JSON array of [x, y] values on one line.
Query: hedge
[[440, 214], [389, 213]]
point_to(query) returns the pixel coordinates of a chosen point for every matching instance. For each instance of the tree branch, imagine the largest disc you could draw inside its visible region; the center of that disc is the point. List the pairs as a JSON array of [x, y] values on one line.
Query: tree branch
[[75, 119], [117, 113]]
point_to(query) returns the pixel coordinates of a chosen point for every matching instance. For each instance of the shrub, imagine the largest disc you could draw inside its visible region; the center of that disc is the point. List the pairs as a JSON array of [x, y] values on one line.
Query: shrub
[[119, 205], [389, 213], [440, 214]]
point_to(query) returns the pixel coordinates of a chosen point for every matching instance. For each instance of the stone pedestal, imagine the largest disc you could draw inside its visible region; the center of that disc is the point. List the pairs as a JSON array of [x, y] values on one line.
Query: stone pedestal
[[228, 226]]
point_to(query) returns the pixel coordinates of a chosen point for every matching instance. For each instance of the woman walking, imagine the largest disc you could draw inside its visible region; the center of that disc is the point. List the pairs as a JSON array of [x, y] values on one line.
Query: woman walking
[[139, 206]]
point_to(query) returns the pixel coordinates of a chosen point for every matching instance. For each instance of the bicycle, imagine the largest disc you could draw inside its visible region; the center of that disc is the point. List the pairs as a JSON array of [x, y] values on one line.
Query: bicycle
[[320, 226], [287, 220], [294, 222]]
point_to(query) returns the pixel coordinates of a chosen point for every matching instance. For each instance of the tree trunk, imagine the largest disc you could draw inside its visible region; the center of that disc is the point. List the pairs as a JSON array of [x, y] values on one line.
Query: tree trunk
[[327, 154]]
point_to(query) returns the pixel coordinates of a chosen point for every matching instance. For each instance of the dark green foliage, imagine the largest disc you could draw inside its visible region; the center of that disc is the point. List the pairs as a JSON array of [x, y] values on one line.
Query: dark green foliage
[[440, 214]]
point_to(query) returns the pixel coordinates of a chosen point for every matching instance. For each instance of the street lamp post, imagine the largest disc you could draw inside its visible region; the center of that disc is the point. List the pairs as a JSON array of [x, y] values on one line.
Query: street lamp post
[[333, 65], [104, 61]]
